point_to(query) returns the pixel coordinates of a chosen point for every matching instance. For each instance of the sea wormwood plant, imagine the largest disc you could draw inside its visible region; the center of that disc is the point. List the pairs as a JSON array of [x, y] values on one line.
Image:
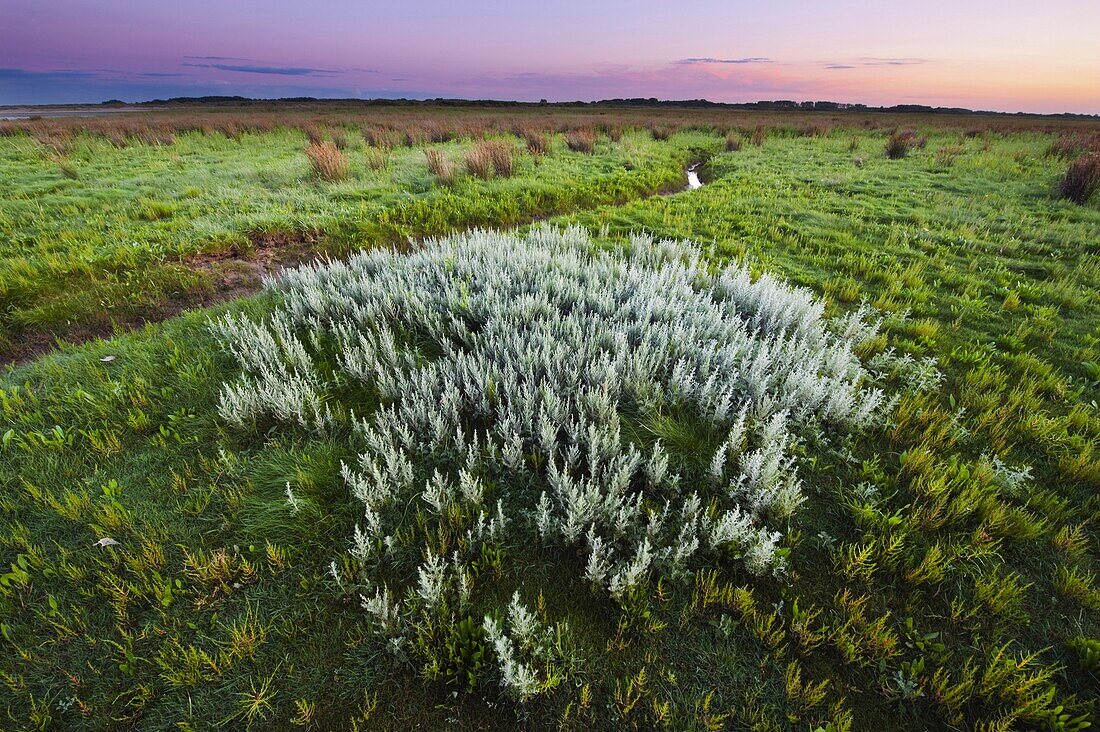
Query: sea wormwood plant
[[506, 367]]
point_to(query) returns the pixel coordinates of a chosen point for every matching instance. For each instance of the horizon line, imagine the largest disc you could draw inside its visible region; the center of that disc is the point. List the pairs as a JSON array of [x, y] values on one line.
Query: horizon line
[[782, 104]]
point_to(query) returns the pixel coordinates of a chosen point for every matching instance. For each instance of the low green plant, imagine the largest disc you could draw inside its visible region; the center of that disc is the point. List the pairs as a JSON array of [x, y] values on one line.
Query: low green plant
[[1087, 651], [467, 654]]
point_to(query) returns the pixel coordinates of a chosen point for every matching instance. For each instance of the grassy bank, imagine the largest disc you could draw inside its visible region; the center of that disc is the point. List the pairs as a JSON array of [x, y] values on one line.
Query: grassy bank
[[101, 235]]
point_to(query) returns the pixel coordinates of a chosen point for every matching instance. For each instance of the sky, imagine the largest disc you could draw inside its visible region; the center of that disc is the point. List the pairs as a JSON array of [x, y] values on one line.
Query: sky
[[1005, 55]]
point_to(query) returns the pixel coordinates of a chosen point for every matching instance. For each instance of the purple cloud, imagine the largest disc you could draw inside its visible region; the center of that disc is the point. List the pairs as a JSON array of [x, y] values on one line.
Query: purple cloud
[[867, 61], [275, 70], [711, 60], [871, 61]]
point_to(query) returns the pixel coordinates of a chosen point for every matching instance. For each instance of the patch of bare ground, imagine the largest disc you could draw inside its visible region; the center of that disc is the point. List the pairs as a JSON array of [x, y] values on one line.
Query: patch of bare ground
[[224, 275], [235, 273]]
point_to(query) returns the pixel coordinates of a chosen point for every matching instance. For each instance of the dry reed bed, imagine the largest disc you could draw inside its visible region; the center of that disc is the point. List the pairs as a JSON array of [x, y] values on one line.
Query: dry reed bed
[[416, 124]]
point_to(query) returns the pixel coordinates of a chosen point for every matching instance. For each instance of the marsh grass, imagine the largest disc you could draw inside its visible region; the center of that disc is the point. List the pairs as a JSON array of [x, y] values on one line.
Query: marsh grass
[[1070, 146], [375, 158], [501, 153], [899, 143], [581, 140], [479, 163], [64, 164], [1081, 179], [340, 138], [313, 132], [661, 132], [327, 161], [537, 142], [947, 155], [440, 166]]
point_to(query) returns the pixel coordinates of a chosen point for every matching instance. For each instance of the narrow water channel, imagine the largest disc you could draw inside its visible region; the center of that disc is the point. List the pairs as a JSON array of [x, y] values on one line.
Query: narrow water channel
[[693, 177]]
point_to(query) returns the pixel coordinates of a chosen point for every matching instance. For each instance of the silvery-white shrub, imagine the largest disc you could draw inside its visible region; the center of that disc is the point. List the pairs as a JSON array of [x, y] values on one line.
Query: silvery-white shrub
[[539, 345]]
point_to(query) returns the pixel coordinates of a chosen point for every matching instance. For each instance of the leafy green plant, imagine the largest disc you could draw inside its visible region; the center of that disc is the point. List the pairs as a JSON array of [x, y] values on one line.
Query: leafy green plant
[[1088, 652], [466, 658]]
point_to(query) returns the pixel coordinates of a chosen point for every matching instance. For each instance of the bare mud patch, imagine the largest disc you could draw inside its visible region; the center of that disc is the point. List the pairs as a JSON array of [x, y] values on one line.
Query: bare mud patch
[[224, 275]]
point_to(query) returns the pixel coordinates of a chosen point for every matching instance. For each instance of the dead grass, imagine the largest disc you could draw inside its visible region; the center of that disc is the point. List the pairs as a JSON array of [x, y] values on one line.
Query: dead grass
[[441, 167], [1082, 179], [327, 161], [661, 132], [900, 143], [537, 143], [313, 134], [479, 163], [490, 157], [500, 152], [581, 140]]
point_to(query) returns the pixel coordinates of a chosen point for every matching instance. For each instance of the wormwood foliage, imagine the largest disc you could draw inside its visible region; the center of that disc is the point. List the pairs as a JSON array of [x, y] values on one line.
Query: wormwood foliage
[[511, 368]]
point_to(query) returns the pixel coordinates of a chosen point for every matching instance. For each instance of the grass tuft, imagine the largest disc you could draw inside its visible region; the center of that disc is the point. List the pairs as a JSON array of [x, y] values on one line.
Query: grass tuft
[[479, 162], [327, 161], [947, 155], [900, 143], [441, 167], [537, 142], [581, 140], [1081, 179], [500, 153], [375, 157]]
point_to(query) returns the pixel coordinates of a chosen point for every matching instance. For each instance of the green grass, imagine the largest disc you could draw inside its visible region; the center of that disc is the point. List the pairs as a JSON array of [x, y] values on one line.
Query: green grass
[[117, 242], [927, 590]]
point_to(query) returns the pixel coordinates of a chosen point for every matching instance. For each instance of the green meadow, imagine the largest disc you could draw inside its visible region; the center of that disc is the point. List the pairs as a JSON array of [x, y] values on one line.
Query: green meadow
[[167, 563], [100, 235]]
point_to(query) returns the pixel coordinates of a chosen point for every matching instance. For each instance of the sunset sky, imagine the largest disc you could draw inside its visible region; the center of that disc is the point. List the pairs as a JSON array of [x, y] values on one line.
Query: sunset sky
[[1009, 55]]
